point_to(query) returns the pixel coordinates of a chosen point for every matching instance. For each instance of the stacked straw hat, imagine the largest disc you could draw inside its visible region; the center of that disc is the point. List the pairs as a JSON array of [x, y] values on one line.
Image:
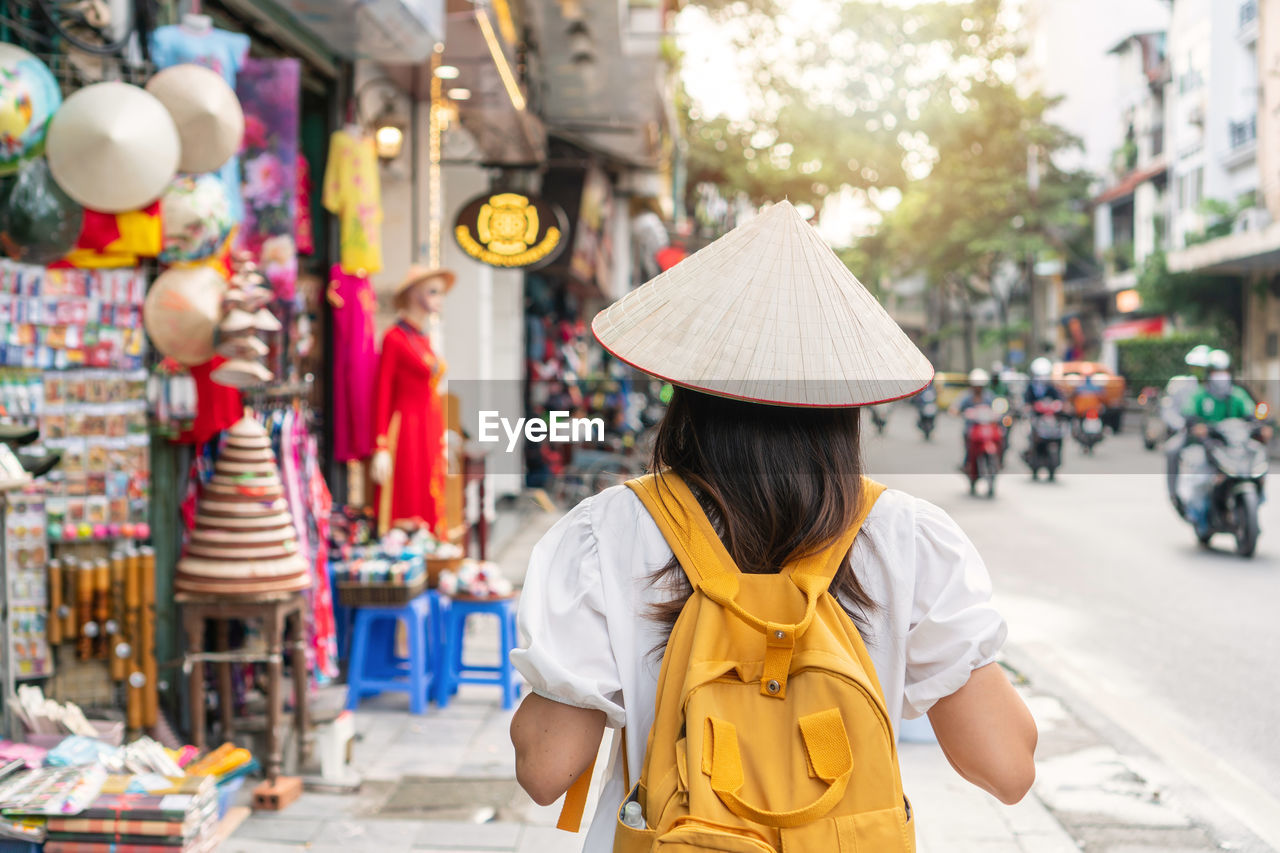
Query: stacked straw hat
[[768, 314], [246, 315], [243, 542]]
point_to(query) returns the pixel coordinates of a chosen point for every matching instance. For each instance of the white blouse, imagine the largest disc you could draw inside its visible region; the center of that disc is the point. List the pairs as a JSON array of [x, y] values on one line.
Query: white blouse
[[587, 639]]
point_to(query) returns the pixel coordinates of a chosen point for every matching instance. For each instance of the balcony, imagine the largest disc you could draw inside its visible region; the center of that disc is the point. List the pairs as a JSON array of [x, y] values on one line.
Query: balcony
[[1248, 23], [1242, 142]]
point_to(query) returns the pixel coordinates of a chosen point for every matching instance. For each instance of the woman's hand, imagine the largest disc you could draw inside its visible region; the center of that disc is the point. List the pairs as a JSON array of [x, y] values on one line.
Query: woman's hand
[[555, 744], [988, 734]]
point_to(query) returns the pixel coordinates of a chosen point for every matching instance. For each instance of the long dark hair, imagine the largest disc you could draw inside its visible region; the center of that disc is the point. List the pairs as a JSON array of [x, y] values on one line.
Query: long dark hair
[[776, 482]]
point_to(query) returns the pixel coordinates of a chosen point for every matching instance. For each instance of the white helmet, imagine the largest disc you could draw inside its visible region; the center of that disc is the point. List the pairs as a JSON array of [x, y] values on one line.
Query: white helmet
[[1219, 359], [979, 378], [1198, 356], [1041, 368]]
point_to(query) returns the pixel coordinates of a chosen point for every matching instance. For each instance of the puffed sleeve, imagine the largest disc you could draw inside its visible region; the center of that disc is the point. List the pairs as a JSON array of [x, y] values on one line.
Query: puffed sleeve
[[565, 652], [954, 627]]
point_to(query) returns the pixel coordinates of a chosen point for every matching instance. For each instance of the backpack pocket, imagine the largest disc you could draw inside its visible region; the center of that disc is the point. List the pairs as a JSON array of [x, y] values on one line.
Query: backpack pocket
[[878, 831], [628, 839], [695, 836]]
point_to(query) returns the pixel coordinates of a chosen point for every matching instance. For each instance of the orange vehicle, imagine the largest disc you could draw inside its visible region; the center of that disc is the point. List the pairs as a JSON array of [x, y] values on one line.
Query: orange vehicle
[[1068, 375]]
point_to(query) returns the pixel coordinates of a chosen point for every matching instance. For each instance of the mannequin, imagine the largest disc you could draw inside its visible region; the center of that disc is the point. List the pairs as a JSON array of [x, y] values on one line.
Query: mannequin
[[410, 463]]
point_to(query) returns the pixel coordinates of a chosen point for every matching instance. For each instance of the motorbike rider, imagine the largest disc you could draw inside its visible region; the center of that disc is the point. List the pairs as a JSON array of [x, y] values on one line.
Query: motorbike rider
[[1218, 399], [1040, 388], [1178, 392], [977, 395]]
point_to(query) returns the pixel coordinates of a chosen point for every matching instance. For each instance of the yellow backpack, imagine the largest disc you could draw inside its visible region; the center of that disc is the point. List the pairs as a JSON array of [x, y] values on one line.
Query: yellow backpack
[[771, 732]]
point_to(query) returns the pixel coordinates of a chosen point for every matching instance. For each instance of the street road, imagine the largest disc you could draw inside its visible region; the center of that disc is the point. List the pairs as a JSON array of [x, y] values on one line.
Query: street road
[[1105, 586]]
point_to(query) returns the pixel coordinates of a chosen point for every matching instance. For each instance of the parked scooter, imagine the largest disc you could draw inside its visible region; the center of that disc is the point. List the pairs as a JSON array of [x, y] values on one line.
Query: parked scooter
[[1239, 463], [984, 445], [926, 403], [1047, 433]]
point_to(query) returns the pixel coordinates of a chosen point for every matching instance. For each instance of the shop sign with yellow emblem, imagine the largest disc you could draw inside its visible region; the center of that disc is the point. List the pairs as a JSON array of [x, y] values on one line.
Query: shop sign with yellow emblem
[[510, 229]]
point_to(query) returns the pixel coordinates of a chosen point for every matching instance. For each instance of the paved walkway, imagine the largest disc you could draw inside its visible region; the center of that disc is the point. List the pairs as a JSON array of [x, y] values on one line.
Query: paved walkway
[[444, 781]]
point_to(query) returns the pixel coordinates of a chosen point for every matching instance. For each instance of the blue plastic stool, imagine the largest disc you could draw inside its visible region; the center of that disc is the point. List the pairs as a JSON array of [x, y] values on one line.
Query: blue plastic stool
[[374, 666], [458, 672], [343, 616]]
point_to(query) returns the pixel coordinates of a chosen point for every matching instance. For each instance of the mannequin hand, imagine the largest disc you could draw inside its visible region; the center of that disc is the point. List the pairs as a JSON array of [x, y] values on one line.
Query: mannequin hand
[[380, 468]]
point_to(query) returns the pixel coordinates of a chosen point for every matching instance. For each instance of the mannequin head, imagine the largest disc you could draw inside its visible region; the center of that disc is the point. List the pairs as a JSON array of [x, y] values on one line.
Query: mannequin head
[[420, 296]]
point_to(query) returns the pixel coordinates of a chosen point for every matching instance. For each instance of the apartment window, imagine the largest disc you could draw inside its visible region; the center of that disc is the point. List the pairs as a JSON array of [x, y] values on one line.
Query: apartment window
[[1190, 188]]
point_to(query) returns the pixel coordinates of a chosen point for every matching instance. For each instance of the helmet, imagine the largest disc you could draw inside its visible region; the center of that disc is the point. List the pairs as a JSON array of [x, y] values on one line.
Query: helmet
[[979, 378], [1198, 356], [1041, 368], [1219, 359]]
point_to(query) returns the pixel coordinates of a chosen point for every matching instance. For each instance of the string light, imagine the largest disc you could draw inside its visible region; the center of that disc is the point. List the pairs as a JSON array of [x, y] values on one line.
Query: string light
[[435, 206]]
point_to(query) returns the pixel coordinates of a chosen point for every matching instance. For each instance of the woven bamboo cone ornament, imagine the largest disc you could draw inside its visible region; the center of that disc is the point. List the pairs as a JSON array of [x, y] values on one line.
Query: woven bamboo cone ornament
[[244, 541], [767, 314]]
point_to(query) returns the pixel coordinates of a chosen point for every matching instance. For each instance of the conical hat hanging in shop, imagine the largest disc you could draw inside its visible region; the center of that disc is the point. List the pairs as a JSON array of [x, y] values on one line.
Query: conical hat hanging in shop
[[113, 147], [237, 373], [207, 114], [243, 542], [768, 313], [181, 313]]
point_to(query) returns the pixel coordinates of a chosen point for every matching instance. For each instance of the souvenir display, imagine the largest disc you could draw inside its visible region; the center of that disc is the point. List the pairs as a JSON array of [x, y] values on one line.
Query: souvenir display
[[221, 52], [244, 541], [113, 147], [29, 96], [182, 312], [197, 218], [26, 549], [270, 91], [63, 318], [206, 112], [97, 420], [353, 192], [39, 223]]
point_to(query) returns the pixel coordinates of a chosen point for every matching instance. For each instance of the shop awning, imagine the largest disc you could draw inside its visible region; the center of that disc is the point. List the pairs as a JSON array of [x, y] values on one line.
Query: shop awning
[[1255, 250], [389, 31]]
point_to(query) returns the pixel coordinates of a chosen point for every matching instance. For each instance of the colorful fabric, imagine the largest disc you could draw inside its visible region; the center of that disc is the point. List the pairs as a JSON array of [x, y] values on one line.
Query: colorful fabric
[[304, 232], [217, 406], [352, 191], [114, 240], [355, 363], [220, 51], [197, 218], [270, 94], [410, 424]]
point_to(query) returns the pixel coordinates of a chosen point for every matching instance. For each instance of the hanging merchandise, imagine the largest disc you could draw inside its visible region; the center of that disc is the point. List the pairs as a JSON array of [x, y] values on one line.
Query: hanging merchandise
[[355, 363], [29, 97], [219, 51], [303, 231], [39, 222], [113, 147], [270, 92], [182, 311], [197, 218], [352, 191], [60, 318], [206, 111], [217, 406], [116, 240], [244, 541]]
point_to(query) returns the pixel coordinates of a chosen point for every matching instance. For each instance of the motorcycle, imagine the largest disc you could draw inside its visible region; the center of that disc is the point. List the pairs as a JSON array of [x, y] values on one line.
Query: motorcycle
[[1239, 464], [1157, 412], [984, 446], [1047, 433], [927, 411], [878, 418], [1088, 428]]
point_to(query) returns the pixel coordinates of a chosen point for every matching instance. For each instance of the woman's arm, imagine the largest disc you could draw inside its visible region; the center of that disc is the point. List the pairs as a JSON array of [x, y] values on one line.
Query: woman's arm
[[555, 744], [988, 734]]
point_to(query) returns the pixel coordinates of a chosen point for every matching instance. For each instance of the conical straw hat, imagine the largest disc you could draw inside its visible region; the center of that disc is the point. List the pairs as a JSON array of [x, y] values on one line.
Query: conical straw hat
[[207, 114], [767, 314]]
